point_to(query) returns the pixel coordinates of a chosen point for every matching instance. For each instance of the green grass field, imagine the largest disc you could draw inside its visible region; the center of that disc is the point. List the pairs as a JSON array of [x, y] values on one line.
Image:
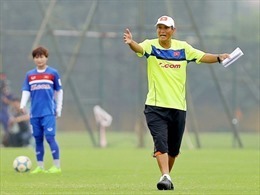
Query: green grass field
[[122, 168]]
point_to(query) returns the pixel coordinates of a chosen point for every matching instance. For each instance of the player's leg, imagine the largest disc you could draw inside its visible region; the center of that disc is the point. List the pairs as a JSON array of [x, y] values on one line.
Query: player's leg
[[171, 161], [175, 134], [158, 129], [162, 161], [49, 124], [37, 133]]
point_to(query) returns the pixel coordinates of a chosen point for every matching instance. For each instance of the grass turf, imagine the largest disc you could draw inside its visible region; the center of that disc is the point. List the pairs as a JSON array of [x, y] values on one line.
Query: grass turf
[[122, 168]]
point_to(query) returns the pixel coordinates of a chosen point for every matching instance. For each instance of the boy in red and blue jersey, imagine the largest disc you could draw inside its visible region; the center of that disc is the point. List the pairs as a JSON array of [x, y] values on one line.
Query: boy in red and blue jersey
[[43, 86]]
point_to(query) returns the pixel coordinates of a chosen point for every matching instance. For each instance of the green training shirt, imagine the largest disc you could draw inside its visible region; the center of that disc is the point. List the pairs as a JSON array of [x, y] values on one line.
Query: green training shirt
[[166, 70]]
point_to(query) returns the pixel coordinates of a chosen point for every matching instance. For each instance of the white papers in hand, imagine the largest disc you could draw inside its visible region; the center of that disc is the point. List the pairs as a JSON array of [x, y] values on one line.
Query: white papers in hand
[[237, 53]]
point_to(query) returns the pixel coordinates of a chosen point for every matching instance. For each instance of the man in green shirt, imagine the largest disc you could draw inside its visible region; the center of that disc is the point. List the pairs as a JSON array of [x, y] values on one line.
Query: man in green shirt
[[165, 106]]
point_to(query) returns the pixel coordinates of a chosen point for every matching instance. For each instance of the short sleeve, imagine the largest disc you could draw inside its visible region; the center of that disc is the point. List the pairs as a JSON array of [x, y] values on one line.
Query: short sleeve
[[193, 54], [57, 81], [26, 86], [147, 48]]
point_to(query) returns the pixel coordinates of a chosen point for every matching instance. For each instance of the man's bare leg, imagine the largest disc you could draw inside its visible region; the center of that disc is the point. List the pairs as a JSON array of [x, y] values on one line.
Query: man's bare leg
[[163, 163], [171, 162], [165, 180]]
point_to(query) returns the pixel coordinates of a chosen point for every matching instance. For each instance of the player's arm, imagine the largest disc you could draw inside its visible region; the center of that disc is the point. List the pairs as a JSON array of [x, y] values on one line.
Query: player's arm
[[213, 58], [59, 101], [24, 100], [132, 44]]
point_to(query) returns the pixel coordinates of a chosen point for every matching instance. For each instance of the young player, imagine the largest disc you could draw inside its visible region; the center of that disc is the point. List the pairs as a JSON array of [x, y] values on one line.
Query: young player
[[165, 106], [43, 86]]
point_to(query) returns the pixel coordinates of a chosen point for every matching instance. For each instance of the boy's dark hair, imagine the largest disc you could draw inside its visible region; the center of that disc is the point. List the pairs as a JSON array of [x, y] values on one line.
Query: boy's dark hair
[[39, 51]]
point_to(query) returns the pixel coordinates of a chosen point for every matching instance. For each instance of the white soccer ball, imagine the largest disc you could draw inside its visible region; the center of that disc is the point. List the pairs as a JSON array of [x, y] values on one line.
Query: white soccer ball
[[22, 164]]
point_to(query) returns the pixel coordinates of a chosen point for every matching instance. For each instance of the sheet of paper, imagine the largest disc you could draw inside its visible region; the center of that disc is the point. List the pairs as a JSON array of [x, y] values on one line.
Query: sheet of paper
[[237, 53]]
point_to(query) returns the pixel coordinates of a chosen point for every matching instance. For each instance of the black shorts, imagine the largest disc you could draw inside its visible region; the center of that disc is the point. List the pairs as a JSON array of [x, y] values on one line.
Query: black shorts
[[166, 126]]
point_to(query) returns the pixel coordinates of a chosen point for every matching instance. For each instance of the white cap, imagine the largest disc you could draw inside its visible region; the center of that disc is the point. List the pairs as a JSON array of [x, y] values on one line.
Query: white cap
[[166, 20]]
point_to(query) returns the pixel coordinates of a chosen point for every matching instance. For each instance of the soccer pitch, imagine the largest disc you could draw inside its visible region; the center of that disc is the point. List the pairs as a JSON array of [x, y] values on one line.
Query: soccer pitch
[[122, 168]]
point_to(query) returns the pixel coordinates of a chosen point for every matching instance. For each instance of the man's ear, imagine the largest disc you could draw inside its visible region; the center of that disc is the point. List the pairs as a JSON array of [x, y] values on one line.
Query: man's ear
[[173, 30]]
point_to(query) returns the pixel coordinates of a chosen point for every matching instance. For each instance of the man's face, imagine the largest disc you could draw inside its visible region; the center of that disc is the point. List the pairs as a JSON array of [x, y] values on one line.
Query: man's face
[[40, 61], [164, 33]]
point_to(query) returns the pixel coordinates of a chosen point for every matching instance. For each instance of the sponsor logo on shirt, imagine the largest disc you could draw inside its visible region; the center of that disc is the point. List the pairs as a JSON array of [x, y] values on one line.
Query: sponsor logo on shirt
[[39, 77], [40, 86], [170, 65]]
